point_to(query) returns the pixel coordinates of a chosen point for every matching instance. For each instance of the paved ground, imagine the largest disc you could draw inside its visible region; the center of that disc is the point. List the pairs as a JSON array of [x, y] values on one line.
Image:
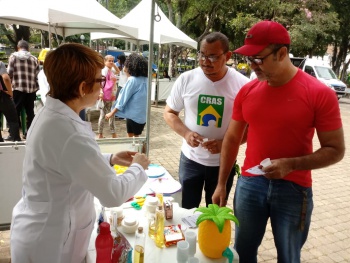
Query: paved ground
[[329, 238]]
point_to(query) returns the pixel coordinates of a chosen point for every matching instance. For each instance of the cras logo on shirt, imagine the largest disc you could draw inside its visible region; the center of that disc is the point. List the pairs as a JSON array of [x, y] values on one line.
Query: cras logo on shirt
[[210, 110]]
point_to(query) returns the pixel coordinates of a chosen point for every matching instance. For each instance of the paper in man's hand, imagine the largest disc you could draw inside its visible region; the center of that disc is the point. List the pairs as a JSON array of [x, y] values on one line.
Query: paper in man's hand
[[256, 170]]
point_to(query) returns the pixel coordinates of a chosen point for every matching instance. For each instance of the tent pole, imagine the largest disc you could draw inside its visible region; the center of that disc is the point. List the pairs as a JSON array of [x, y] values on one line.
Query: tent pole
[[150, 60], [157, 80], [58, 41], [50, 44]]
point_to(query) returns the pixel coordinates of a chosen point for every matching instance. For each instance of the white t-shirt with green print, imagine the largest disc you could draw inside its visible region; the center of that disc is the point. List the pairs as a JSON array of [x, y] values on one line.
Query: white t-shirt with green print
[[208, 108]]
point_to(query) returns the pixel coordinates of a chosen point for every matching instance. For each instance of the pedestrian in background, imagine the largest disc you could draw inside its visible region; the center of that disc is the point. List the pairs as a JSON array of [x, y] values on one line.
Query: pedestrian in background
[[7, 107], [132, 101], [166, 75], [23, 69], [122, 75], [206, 94], [283, 107], [108, 95]]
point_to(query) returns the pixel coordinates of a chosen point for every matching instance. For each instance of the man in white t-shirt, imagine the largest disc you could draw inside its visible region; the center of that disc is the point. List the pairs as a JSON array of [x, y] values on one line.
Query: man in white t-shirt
[[206, 94]]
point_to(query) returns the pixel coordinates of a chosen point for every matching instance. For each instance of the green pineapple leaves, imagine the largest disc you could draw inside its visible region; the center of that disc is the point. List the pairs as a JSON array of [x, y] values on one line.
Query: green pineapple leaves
[[216, 214]]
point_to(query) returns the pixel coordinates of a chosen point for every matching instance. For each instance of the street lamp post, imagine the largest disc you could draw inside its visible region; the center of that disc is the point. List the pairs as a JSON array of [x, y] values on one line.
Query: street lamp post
[[82, 38]]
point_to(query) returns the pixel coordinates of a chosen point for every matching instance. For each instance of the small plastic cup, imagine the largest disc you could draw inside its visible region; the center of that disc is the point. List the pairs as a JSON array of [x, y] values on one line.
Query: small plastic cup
[[191, 238], [182, 251]]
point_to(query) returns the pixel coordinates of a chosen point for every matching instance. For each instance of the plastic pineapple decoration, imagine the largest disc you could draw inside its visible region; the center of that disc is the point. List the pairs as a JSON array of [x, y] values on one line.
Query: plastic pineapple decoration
[[214, 230]]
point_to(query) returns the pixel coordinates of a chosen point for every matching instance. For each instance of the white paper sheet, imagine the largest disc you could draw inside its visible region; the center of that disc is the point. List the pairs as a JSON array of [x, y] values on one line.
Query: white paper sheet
[[256, 170]]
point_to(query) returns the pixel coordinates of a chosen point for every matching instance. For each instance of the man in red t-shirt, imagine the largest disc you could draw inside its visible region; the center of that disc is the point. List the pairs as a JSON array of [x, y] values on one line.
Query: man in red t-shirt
[[283, 108]]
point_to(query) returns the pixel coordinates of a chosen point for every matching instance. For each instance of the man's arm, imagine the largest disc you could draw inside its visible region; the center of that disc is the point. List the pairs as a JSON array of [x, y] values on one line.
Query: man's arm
[[171, 117], [10, 66], [229, 150], [7, 82], [332, 151]]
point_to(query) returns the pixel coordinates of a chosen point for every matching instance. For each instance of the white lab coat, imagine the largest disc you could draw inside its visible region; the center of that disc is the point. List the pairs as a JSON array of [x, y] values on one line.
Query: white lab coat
[[63, 170]]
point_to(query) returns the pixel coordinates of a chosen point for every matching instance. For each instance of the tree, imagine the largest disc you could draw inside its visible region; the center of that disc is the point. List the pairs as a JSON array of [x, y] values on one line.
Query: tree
[[120, 7], [15, 33], [341, 38], [310, 22]]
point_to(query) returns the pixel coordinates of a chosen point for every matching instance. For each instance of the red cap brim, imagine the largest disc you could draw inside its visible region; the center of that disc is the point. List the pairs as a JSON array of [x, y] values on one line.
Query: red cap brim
[[250, 50]]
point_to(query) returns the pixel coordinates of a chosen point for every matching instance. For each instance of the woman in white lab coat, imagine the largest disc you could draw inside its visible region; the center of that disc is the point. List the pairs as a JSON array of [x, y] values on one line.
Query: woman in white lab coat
[[63, 168]]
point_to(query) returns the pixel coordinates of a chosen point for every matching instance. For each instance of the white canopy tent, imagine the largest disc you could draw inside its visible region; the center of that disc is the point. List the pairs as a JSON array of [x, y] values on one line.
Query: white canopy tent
[[100, 35], [65, 17], [165, 32]]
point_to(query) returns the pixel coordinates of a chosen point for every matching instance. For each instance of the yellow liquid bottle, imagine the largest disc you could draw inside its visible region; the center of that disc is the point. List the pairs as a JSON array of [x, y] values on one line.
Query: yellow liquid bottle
[[139, 247], [139, 254], [160, 227]]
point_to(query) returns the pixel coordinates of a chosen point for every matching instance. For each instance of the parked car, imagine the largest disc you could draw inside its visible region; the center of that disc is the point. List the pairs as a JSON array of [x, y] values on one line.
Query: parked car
[[323, 72]]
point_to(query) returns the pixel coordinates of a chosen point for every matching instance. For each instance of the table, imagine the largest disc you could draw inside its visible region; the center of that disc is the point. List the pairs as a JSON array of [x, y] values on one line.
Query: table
[[154, 254], [164, 89], [11, 159]]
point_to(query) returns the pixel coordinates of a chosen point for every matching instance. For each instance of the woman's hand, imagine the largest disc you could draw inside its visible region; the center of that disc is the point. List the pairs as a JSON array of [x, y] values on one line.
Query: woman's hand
[[113, 78], [126, 158], [123, 158], [108, 115], [142, 160]]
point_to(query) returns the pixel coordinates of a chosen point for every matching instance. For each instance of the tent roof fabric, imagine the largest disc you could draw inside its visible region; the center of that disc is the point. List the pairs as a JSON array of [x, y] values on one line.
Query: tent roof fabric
[[65, 16], [164, 31]]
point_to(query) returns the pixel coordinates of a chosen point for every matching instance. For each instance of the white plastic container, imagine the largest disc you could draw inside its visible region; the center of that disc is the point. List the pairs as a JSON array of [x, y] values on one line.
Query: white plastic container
[[129, 225]]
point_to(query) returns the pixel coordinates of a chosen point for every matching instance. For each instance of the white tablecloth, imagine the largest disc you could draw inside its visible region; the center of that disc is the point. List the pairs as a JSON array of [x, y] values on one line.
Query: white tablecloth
[[164, 89], [11, 159], [154, 254]]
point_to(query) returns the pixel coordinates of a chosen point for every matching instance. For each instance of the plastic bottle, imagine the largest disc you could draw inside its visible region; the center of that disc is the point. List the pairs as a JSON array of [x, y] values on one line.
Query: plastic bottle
[[151, 225], [104, 244], [160, 227], [139, 247]]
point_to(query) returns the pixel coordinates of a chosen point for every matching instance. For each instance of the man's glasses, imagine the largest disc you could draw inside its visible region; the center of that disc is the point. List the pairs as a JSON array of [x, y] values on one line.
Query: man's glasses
[[259, 61], [211, 58], [102, 81]]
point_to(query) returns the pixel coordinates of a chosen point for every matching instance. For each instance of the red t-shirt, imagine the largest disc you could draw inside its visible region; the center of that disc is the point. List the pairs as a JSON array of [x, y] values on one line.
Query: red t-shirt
[[282, 120]]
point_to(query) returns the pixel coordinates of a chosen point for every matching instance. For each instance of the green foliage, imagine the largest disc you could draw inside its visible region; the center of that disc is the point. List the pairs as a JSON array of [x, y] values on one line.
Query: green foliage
[[3, 56], [311, 35], [35, 54], [348, 80], [312, 24], [216, 214], [237, 170], [120, 7]]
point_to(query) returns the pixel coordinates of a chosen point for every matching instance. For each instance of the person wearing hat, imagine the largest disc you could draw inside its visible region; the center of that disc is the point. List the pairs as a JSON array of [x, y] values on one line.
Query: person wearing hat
[[283, 108]]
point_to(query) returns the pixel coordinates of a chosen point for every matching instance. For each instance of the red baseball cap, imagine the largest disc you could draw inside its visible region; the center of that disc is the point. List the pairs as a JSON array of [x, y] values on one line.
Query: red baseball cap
[[261, 35]]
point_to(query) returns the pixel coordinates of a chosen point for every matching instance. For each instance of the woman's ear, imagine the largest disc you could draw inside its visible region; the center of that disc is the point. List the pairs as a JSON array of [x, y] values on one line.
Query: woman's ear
[[82, 88]]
